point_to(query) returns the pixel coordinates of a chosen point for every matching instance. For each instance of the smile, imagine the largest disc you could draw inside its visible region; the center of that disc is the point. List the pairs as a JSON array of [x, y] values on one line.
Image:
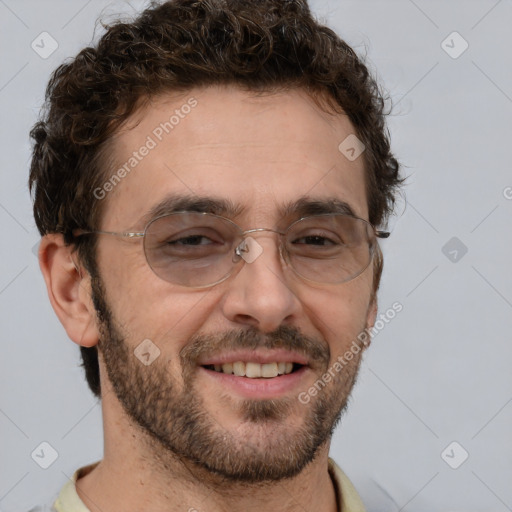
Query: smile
[[253, 370], [256, 374]]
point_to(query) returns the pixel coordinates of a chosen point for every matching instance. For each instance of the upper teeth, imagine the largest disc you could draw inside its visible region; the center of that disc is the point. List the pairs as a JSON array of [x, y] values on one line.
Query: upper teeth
[[255, 370]]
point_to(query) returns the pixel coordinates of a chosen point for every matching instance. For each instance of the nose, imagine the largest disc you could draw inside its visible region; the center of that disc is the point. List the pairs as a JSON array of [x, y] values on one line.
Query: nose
[[260, 295]]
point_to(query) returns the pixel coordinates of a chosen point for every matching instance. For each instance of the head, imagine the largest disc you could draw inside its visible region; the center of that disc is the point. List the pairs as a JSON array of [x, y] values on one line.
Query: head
[[236, 108]]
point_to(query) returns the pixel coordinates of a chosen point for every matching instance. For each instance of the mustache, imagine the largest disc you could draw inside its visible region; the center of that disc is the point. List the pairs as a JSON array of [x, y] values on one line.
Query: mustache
[[284, 337]]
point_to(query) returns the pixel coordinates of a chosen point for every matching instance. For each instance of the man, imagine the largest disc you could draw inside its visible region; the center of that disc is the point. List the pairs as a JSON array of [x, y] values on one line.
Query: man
[[208, 182]]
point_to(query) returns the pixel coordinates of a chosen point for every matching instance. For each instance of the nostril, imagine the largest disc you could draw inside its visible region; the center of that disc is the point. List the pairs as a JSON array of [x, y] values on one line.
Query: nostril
[[246, 319]]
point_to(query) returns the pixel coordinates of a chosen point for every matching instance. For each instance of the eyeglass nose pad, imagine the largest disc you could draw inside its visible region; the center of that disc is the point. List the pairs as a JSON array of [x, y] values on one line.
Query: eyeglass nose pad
[[239, 251]]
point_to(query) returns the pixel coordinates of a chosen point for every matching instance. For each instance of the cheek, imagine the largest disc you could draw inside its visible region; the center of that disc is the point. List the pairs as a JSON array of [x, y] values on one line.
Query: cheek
[[149, 308], [340, 314]]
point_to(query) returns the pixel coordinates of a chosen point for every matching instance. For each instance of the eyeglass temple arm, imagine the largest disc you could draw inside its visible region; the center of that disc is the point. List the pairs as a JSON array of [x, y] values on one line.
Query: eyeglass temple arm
[[80, 232]]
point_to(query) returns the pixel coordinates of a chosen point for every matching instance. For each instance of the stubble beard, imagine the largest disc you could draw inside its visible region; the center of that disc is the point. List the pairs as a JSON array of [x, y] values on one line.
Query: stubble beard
[[172, 415]]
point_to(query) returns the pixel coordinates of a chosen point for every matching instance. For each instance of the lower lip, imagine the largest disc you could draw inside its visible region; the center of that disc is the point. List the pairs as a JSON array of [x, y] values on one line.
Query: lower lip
[[259, 388]]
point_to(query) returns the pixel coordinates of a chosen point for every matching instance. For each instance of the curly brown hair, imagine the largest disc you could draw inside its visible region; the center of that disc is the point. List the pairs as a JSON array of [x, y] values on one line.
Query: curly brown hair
[[268, 45]]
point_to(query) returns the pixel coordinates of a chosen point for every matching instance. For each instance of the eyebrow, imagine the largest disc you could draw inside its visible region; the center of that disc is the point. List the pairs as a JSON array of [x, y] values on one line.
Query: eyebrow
[[306, 206], [192, 203], [302, 207]]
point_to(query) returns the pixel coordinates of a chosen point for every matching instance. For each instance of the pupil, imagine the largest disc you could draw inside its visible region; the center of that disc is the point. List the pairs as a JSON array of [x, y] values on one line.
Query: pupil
[[192, 240], [316, 240]]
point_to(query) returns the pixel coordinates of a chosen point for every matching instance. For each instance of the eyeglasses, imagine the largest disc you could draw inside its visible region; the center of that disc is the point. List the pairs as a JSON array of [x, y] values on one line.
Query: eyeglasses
[[199, 250]]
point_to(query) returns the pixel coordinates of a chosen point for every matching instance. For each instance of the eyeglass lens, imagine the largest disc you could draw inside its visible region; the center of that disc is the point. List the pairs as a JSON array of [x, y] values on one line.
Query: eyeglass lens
[[198, 249]]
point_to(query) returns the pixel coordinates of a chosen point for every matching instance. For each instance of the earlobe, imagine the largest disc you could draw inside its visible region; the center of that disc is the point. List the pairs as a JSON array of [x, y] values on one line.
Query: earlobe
[[68, 289]]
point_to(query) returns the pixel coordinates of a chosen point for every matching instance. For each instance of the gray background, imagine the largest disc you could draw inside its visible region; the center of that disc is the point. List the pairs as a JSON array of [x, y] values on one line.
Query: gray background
[[439, 372]]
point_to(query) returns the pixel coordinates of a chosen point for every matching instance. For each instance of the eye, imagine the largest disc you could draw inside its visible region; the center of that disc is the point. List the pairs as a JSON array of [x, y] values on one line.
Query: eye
[[191, 237], [196, 242], [315, 240], [191, 240], [316, 236]]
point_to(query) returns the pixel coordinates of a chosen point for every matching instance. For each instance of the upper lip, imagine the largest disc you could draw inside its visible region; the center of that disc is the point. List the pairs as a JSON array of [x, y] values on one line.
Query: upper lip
[[260, 356]]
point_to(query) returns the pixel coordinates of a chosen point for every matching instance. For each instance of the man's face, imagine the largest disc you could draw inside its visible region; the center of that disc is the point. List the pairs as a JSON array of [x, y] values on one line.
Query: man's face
[[259, 154]]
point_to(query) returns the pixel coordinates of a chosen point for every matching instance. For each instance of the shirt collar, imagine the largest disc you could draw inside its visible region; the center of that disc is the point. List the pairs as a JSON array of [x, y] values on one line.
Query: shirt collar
[[347, 498]]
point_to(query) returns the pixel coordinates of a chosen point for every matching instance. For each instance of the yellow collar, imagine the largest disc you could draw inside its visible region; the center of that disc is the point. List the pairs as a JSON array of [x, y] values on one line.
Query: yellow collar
[[346, 495]]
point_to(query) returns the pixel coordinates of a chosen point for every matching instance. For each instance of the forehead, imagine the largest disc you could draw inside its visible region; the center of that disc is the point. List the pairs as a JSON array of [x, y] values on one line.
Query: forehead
[[258, 152]]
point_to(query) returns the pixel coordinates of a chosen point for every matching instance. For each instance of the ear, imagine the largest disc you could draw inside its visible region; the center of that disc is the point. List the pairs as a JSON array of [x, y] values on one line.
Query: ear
[[371, 316], [69, 290]]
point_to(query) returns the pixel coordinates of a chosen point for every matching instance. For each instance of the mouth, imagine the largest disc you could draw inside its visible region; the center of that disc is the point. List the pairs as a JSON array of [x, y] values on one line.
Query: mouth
[[256, 374], [254, 370]]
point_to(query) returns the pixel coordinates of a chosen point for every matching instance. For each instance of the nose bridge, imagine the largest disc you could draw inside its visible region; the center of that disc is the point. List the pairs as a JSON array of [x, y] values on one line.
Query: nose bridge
[[249, 249], [259, 294]]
